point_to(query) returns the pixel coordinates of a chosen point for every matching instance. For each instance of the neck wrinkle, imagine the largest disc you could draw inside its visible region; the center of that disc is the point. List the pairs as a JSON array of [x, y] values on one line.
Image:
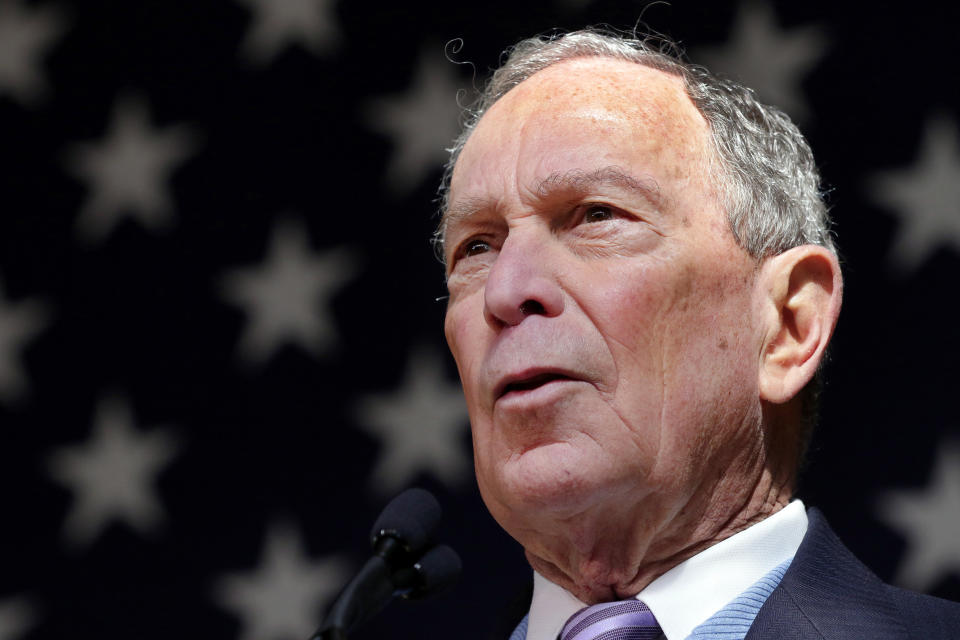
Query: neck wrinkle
[[653, 554]]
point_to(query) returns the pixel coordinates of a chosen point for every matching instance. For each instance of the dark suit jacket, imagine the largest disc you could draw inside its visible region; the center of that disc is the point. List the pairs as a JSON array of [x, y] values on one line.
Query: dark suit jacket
[[827, 593]]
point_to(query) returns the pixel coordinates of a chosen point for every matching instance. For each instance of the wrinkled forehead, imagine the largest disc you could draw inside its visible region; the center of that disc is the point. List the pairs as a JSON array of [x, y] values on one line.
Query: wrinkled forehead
[[633, 109]]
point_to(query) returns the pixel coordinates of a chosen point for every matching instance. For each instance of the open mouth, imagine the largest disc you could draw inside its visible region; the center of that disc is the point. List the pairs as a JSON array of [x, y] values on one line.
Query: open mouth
[[532, 382]]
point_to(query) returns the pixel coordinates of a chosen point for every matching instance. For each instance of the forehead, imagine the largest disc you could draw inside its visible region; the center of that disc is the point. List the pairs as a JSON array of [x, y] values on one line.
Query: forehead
[[576, 110]]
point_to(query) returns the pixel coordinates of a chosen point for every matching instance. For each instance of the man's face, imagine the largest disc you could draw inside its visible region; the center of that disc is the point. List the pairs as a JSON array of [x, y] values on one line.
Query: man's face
[[600, 311]]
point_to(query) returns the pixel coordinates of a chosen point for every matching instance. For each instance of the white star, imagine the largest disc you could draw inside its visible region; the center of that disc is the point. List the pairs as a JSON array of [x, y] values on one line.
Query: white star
[[16, 616], [19, 323], [767, 59], [926, 197], [420, 426], [127, 172], [25, 37], [279, 23], [423, 123], [284, 598], [287, 298], [930, 520], [113, 476]]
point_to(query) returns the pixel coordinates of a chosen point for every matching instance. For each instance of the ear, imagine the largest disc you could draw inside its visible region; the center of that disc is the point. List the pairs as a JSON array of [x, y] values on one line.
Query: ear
[[801, 291]]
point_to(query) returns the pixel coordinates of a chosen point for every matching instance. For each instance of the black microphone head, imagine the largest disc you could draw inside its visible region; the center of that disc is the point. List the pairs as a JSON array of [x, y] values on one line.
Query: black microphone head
[[437, 571], [410, 518]]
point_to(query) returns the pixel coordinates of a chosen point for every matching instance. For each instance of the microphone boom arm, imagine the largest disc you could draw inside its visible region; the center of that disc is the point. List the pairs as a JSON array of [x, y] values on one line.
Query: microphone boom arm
[[404, 564], [363, 597]]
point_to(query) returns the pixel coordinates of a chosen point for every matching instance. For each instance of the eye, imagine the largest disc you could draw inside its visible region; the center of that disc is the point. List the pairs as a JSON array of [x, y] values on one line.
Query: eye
[[597, 213], [472, 247]]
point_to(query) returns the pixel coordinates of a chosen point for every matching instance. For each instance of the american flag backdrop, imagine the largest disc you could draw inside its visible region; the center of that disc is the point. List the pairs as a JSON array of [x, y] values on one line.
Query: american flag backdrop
[[221, 345]]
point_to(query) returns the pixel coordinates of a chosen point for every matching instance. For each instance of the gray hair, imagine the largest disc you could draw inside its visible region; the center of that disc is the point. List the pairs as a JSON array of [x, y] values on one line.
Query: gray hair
[[766, 176]]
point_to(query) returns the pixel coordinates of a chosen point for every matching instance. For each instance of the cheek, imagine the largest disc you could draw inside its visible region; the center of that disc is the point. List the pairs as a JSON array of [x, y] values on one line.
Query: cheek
[[681, 337], [711, 363], [634, 318], [706, 317], [464, 328], [461, 327]]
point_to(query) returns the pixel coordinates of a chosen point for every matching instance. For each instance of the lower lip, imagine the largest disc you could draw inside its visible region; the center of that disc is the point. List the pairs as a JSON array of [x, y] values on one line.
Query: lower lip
[[544, 394]]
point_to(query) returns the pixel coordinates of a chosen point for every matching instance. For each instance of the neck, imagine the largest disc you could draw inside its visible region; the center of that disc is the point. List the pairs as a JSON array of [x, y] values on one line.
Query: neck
[[612, 556]]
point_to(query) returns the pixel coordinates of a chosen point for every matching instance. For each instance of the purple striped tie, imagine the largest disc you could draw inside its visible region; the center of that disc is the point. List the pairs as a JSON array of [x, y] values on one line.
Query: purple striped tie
[[623, 620]]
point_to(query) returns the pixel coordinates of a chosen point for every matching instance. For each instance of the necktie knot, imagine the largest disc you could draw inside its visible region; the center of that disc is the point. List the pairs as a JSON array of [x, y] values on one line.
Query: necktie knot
[[622, 620]]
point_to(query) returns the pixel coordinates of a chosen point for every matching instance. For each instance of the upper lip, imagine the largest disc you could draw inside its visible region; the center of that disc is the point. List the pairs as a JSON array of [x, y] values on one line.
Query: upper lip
[[529, 378]]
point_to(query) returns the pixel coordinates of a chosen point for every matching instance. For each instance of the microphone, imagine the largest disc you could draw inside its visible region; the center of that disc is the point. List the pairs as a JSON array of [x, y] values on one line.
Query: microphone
[[432, 574], [405, 526], [404, 564]]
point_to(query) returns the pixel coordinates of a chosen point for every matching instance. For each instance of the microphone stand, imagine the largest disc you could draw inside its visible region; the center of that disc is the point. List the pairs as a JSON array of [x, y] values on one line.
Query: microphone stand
[[363, 597], [404, 564]]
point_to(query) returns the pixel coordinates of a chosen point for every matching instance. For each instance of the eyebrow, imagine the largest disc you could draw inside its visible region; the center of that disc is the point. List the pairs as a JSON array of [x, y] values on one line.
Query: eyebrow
[[579, 180], [463, 209], [557, 183]]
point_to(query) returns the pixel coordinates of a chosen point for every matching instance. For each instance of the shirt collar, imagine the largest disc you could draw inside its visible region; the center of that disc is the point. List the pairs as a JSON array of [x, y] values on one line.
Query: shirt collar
[[691, 592]]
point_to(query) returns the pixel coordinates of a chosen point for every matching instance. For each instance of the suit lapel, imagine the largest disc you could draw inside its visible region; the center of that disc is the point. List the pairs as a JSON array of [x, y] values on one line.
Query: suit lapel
[[827, 593]]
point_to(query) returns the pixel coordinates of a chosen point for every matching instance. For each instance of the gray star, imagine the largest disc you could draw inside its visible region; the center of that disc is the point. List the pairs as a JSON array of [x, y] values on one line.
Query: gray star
[[767, 59], [926, 197], [282, 599], [25, 37], [287, 298], [930, 520], [19, 323], [422, 123], [127, 172], [420, 426], [279, 23], [16, 617], [113, 476]]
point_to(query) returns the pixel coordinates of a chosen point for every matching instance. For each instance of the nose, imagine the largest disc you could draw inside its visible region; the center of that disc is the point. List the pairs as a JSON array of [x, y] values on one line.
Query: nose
[[521, 283]]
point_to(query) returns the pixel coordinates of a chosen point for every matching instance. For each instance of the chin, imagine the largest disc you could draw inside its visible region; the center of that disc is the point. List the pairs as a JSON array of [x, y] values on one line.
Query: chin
[[551, 479]]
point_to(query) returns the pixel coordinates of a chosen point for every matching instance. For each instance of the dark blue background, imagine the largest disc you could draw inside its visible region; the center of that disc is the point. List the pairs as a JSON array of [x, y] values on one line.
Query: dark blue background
[[140, 312]]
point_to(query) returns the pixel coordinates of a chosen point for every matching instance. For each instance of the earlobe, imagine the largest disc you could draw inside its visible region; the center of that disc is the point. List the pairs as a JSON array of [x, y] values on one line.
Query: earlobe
[[801, 291]]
